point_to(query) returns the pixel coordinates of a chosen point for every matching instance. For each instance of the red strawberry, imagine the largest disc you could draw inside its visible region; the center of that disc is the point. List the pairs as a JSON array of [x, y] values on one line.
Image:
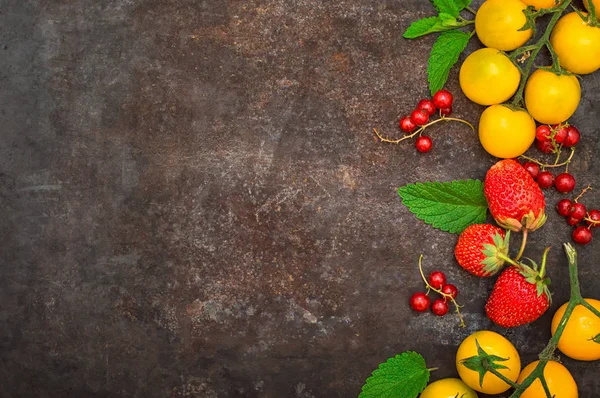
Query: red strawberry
[[520, 296], [515, 200], [481, 249]]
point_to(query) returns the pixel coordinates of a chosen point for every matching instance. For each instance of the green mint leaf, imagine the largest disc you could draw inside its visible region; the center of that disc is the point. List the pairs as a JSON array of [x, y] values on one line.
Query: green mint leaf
[[447, 6], [423, 27], [448, 20], [444, 54], [403, 376], [596, 338], [449, 206], [462, 4]]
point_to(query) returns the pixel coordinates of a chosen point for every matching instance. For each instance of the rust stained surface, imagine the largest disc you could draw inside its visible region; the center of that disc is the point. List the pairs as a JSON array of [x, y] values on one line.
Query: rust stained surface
[[193, 203]]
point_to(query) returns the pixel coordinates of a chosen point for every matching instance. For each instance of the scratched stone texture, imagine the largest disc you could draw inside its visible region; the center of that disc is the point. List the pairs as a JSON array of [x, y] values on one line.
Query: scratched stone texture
[[192, 202]]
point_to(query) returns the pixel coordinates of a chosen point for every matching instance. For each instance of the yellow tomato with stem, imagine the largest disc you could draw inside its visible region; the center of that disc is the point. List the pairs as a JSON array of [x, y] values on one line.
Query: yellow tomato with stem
[[497, 24], [448, 388], [505, 132], [596, 3], [539, 4], [489, 77], [551, 98], [493, 344], [577, 44], [580, 336], [558, 378]]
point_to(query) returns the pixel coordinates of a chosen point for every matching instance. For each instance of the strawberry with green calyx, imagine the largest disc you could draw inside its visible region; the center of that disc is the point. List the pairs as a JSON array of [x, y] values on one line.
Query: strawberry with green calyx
[[481, 249], [515, 200], [520, 295]]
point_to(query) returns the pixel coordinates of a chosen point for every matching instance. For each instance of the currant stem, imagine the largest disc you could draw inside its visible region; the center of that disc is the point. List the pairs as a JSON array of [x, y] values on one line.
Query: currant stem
[[588, 188], [420, 129], [546, 165], [439, 291], [523, 244]]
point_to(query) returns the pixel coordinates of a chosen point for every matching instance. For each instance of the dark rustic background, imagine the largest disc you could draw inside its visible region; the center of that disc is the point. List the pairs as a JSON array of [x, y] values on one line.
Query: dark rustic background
[[192, 202]]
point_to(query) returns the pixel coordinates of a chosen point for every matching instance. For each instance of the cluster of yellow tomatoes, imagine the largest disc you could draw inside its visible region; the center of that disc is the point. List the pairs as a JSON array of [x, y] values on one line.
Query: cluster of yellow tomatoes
[[577, 342], [489, 77]]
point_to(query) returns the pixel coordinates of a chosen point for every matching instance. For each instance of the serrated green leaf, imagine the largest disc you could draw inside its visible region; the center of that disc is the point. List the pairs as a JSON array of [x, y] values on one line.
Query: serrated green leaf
[[462, 4], [423, 27], [447, 6], [449, 206], [444, 54], [403, 376]]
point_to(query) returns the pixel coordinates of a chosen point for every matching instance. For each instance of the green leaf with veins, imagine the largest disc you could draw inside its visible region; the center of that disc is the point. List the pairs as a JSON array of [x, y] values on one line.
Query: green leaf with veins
[[447, 6], [449, 206], [403, 376], [444, 54], [423, 27]]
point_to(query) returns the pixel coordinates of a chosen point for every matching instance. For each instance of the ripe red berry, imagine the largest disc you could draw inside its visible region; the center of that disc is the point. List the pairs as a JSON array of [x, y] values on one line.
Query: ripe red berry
[[427, 106], [572, 221], [581, 235], [545, 146], [437, 279], [439, 307], [419, 302], [532, 168], [542, 133], [423, 144], [446, 111], [560, 133], [572, 136], [443, 99], [564, 183], [419, 117], [407, 125], [579, 210], [593, 218], [564, 207], [545, 179], [450, 289]]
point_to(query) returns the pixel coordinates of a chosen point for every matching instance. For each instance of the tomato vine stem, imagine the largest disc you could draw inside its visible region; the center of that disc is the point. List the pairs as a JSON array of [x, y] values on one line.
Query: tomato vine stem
[[544, 41]]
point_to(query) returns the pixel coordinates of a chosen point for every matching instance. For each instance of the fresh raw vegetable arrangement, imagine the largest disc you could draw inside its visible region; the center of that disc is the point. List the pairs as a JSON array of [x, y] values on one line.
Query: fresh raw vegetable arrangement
[[527, 111]]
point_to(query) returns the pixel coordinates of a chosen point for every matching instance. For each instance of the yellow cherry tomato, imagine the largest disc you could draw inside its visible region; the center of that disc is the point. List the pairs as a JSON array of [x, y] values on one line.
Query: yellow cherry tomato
[[550, 98], [577, 44], [596, 3], [577, 340], [506, 133], [488, 77], [493, 344], [497, 24], [560, 382], [538, 4], [448, 388]]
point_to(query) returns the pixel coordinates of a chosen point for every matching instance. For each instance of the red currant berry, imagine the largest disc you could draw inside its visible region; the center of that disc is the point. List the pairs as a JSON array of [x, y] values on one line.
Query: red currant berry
[[419, 117], [451, 290], [407, 125], [572, 136], [572, 221], [446, 111], [581, 235], [419, 302], [593, 218], [532, 168], [542, 133], [564, 207], [439, 307], [564, 183], [545, 146], [427, 106], [423, 144], [443, 99], [545, 179], [560, 133], [437, 279], [579, 211]]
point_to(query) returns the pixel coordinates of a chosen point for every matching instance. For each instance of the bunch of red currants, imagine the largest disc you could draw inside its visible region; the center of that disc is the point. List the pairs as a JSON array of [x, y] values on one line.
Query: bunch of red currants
[[420, 301], [442, 101], [576, 213]]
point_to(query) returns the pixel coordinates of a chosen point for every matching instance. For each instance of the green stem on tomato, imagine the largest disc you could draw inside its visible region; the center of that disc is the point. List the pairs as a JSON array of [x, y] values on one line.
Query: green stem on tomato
[[543, 41]]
